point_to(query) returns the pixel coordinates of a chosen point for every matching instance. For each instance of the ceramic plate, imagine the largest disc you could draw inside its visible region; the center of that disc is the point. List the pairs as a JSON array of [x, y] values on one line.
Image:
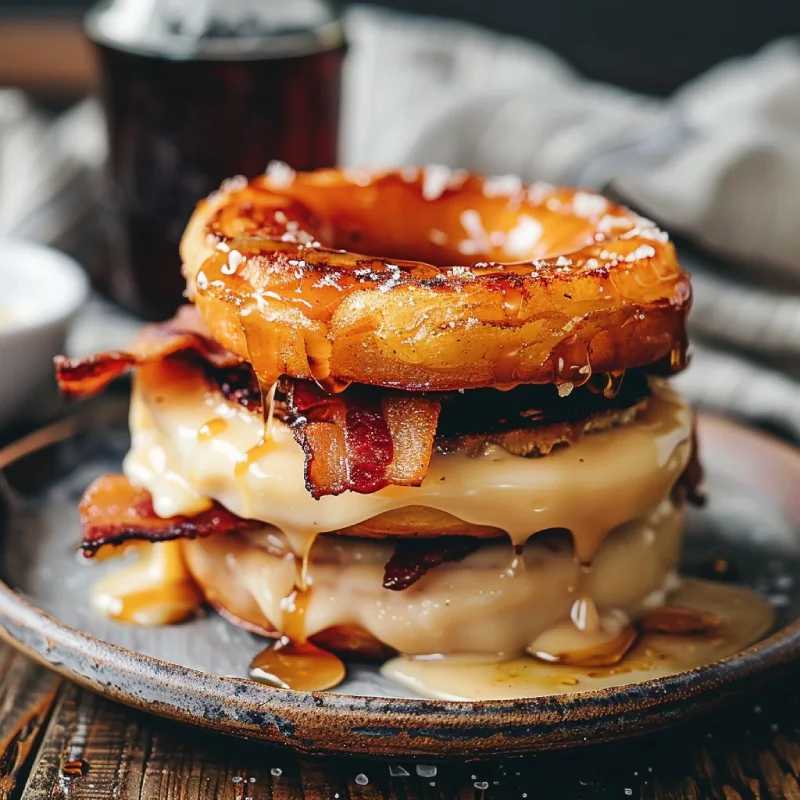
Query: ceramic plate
[[189, 672]]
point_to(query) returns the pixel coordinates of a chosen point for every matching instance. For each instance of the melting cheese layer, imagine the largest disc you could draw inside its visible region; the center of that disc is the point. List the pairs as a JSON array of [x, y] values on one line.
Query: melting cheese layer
[[191, 445], [478, 605]]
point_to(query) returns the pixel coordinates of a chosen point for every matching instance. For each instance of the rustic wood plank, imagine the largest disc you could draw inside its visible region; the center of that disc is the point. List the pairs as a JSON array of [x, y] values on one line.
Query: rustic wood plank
[[92, 750], [187, 764], [27, 693], [317, 779]]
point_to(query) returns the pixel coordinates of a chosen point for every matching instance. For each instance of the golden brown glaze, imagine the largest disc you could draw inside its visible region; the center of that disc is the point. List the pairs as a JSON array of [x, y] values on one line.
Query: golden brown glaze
[[431, 280]]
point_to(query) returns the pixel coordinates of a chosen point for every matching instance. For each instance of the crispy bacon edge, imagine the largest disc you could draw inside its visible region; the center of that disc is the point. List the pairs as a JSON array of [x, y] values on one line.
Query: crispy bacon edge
[[81, 377], [361, 440], [113, 512]]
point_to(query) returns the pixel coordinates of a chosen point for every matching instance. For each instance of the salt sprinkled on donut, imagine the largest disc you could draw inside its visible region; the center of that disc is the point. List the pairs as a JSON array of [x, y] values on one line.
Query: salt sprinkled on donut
[[355, 276]]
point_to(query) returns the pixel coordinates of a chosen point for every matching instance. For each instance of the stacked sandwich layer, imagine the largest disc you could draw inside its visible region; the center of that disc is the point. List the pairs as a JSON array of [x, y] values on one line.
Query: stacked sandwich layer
[[349, 439]]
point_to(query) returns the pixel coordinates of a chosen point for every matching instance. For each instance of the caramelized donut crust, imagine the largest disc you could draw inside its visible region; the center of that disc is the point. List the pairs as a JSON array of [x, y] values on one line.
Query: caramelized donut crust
[[430, 280]]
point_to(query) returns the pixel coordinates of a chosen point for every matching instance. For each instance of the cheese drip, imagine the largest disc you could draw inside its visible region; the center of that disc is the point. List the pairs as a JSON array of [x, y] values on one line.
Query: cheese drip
[[589, 488], [472, 606], [742, 617], [156, 589]]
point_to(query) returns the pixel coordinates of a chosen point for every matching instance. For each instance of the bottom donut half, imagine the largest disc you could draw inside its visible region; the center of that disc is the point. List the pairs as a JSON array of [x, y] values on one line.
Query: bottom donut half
[[489, 602]]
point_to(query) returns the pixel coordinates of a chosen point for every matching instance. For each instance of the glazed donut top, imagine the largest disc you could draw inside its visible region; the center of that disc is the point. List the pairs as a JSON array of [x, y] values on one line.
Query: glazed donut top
[[431, 279]]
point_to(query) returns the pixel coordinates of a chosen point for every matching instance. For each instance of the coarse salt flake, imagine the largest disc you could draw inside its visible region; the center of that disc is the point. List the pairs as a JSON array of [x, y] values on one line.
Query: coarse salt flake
[[360, 177], [642, 251], [234, 184], [588, 204], [502, 186], [235, 258], [435, 178], [280, 174], [538, 192]]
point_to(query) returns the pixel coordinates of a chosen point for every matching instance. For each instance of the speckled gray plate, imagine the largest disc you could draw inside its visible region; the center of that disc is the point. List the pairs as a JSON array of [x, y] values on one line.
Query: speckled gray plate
[[184, 671]]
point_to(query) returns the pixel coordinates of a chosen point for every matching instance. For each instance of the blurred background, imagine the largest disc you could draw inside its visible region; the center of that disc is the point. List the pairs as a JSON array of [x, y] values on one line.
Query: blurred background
[[651, 47], [688, 111]]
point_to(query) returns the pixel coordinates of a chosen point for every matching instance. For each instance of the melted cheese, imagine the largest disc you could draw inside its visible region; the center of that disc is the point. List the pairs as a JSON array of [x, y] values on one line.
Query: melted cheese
[[471, 606], [184, 457], [742, 618], [156, 589]]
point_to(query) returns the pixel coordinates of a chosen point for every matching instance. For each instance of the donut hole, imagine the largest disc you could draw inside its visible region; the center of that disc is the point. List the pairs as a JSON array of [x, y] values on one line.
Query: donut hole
[[443, 235], [403, 220]]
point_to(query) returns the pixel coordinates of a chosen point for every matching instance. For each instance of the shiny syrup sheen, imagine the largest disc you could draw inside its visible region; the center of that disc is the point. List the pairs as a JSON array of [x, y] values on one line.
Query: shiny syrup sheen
[[303, 667], [571, 356]]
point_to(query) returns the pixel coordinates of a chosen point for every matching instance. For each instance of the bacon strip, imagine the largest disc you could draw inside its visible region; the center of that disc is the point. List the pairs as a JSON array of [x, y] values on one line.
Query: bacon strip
[[413, 558], [362, 439], [113, 511], [185, 331]]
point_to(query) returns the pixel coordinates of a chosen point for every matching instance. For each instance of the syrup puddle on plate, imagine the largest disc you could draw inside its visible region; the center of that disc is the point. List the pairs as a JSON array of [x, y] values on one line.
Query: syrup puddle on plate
[[303, 667], [702, 622], [740, 618]]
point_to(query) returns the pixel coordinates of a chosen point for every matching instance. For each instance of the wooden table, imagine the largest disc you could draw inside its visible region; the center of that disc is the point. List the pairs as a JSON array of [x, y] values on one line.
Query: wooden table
[[59, 741]]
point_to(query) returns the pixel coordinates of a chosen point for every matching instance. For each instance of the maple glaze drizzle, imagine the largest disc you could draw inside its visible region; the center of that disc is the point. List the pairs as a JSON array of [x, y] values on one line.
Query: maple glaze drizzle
[[585, 643], [613, 383], [262, 346], [209, 430], [301, 543], [292, 662], [265, 444], [267, 374], [517, 565], [252, 456], [678, 620], [570, 363], [303, 667], [156, 589], [678, 357], [293, 612]]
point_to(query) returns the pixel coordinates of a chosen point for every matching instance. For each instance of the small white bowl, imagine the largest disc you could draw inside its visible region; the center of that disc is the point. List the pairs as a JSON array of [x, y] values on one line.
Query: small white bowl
[[41, 291]]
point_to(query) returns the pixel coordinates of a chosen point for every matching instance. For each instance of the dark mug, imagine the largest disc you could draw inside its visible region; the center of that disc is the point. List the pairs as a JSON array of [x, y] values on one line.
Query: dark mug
[[186, 111]]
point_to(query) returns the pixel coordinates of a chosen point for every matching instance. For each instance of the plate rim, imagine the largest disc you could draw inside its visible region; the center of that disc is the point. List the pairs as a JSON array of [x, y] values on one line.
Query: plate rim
[[386, 727]]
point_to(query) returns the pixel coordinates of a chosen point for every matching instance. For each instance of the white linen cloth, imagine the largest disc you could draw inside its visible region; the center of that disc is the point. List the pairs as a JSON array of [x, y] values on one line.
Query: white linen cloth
[[718, 163]]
